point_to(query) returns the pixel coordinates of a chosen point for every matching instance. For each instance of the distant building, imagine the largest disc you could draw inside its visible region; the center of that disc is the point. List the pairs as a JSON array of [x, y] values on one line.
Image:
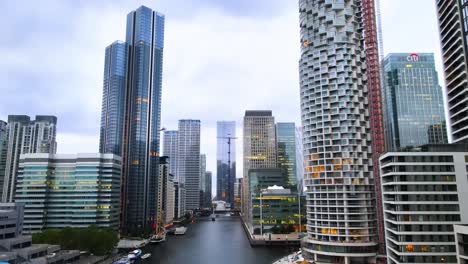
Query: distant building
[[259, 150], [166, 192], [170, 150], [179, 200], [414, 105], [18, 248], [26, 136], [61, 190], [202, 179], [286, 141], [3, 153], [452, 16], [424, 195], [225, 160], [188, 161], [207, 196]]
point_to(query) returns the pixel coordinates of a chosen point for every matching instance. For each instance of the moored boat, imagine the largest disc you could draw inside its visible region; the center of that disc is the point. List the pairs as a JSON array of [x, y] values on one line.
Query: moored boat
[[145, 256], [180, 230]]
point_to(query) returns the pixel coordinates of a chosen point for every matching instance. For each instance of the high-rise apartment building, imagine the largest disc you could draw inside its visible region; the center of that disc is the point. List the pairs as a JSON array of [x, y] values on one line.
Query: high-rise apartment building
[[286, 150], [132, 112], [424, 195], [113, 98], [340, 105], [170, 150], [259, 150], [61, 190], [453, 28], [414, 105], [188, 161], [225, 160], [25, 136]]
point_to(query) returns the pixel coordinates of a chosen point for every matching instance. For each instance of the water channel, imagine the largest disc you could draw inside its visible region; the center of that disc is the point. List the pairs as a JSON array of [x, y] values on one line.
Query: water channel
[[222, 241]]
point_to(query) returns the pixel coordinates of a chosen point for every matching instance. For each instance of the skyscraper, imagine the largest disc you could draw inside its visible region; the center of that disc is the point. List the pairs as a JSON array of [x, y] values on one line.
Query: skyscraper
[[453, 29], [170, 150], [113, 98], [225, 160], [188, 161], [338, 104], [132, 112], [259, 150], [25, 136], [286, 147], [414, 106]]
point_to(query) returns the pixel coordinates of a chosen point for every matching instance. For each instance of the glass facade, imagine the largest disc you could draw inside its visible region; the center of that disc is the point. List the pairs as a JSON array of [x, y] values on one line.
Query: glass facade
[[113, 98], [414, 107], [286, 140], [145, 37], [62, 191], [226, 161]]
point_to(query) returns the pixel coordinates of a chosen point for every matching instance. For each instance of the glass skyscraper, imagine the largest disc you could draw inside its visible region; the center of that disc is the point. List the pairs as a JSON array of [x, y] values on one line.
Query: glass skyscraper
[[286, 140], [142, 53], [226, 161], [113, 98], [414, 106]]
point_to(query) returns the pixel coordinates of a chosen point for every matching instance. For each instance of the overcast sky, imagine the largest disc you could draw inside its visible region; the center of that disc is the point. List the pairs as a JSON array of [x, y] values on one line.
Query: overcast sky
[[221, 57]]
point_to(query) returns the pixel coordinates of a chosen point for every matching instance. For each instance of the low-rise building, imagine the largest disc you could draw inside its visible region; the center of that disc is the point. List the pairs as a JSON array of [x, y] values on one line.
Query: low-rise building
[[278, 210], [61, 191], [18, 248], [424, 195]]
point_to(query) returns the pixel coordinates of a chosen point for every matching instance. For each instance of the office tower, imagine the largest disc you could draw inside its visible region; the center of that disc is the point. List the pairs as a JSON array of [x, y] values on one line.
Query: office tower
[[340, 105], [259, 150], [299, 161], [26, 136], [170, 150], [453, 30], [208, 193], [225, 160], [113, 98], [62, 190], [202, 179], [142, 113], [165, 192], [424, 195], [3, 151], [461, 240], [188, 161], [286, 148], [414, 106]]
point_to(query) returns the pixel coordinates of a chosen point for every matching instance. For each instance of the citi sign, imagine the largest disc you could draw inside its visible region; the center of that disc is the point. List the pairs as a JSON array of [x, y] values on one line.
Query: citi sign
[[413, 57]]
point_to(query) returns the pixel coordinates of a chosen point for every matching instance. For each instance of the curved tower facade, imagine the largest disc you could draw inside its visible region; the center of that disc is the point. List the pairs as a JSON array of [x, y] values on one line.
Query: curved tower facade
[[338, 172]]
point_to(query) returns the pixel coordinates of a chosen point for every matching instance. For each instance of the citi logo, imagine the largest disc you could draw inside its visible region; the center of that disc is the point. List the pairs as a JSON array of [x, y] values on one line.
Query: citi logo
[[413, 57]]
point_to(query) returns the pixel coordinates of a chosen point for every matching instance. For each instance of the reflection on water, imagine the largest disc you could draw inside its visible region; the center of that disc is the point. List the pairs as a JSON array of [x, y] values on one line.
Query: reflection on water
[[223, 241]]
